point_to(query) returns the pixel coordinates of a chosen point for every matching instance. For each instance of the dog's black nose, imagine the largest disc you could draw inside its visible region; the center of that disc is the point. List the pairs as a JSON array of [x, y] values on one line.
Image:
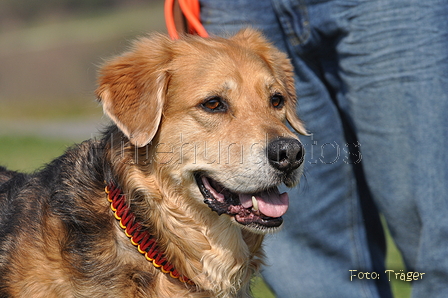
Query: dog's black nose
[[285, 154]]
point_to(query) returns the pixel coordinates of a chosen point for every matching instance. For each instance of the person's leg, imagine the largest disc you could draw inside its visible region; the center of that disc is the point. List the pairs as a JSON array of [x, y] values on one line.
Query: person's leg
[[394, 70], [323, 235]]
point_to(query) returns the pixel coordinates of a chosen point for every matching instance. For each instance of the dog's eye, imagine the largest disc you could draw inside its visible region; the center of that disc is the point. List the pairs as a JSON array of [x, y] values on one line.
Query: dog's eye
[[277, 101], [214, 104]]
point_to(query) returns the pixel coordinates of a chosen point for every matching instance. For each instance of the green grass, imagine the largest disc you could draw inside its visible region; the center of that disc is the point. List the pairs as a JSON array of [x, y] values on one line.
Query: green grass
[[27, 153], [394, 261], [260, 289]]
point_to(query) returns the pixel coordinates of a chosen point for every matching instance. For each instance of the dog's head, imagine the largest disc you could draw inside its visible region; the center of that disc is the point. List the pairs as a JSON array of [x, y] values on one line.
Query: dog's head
[[211, 116]]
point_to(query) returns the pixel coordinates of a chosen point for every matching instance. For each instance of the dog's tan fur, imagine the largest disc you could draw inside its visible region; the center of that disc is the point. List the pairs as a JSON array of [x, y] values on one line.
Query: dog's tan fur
[[154, 93]]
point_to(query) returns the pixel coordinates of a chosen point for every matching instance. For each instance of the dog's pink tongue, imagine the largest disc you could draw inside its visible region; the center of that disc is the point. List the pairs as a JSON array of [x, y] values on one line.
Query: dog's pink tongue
[[272, 203]]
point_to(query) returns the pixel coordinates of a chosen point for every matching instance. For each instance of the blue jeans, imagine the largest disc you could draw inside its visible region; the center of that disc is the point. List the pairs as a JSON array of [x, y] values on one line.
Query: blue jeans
[[372, 80]]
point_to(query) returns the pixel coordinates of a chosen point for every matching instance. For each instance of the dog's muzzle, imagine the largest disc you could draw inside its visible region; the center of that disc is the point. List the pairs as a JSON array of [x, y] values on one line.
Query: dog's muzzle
[[261, 210]]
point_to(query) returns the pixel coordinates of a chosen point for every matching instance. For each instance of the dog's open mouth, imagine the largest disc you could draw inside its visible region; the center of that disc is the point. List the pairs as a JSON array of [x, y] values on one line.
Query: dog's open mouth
[[260, 210]]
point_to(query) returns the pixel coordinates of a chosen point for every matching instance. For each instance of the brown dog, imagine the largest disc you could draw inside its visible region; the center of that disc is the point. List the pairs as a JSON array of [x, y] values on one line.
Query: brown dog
[[191, 169]]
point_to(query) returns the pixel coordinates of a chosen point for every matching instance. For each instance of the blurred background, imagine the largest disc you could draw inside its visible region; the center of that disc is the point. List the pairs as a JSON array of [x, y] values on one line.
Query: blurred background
[[50, 51]]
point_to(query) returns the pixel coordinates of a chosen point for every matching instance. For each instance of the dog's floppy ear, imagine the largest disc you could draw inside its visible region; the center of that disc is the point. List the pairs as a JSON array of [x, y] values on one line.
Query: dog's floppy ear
[[281, 67], [132, 88]]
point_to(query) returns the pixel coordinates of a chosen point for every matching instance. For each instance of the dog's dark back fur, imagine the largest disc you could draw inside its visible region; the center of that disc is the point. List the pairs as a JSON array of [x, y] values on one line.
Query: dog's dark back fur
[[67, 191]]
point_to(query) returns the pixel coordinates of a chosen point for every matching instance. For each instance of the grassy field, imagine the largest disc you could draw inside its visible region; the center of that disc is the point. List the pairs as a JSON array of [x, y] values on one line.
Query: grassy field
[[394, 261], [26, 153]]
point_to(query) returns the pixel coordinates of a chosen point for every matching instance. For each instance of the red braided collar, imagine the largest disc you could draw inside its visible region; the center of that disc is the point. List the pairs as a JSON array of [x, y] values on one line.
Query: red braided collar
[[145, 242]]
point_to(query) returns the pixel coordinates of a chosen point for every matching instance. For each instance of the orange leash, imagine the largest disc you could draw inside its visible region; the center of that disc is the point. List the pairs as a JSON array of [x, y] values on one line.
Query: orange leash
[[191, 11]]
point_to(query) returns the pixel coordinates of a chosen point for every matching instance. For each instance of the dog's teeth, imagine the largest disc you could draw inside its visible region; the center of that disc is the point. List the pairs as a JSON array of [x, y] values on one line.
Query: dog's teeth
[[254, 203]]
